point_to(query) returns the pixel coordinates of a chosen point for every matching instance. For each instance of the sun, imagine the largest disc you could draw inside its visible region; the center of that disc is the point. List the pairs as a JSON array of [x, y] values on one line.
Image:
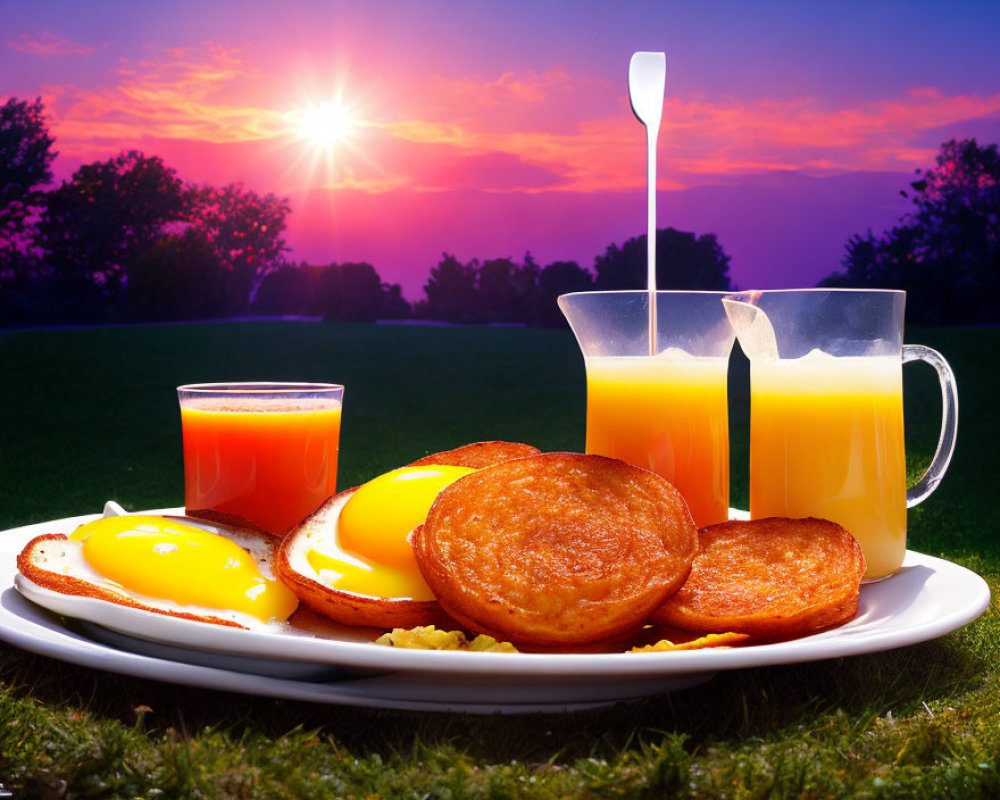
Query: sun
[[325, 138], [325, 124]]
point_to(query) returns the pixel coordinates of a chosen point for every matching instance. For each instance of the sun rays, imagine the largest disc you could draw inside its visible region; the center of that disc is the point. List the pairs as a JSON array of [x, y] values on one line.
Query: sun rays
[[325, 124]]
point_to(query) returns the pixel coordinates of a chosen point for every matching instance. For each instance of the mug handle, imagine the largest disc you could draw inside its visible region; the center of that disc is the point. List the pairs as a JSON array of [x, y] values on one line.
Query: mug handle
[[949, 422]]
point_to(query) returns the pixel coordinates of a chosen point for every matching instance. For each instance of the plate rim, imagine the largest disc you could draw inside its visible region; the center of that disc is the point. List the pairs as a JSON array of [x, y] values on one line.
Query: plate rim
[[365, 655]]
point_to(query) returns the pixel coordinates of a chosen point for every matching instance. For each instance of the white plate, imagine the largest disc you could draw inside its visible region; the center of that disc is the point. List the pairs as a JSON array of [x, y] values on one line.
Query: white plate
[[927, 598]]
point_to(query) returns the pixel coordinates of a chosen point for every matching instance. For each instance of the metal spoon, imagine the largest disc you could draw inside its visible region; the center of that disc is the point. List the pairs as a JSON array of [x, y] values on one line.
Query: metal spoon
[[646, 81]]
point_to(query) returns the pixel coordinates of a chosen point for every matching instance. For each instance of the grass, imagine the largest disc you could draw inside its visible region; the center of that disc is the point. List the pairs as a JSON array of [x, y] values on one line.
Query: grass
[[96, 411], [91, 415]]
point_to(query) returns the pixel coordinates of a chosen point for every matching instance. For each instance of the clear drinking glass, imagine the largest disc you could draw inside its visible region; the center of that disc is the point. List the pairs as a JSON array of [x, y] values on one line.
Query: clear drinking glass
[[265, 453], [666, 412], [826, 412]]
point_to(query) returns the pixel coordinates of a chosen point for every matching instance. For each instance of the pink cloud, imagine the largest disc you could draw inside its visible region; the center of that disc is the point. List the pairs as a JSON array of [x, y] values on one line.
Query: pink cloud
[[49, 44], [700, 139], [526, 131], [514, 101], [178, 93], [744, 136]]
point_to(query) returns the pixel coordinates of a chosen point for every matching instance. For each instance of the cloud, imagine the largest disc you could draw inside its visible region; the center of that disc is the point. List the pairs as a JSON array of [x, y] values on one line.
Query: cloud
[[512, 102], [523, 131], [741, 136], [49, 44], [175, 93], [701, 140]]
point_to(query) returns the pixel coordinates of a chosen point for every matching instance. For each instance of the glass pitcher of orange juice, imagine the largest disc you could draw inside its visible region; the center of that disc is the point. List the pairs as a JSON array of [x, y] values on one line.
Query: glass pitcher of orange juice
[[826, 412], [666, 412]]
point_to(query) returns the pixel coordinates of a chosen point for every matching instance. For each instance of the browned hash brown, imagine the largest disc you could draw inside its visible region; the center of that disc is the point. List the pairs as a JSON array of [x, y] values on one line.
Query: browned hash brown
[[772, 578], [478, 455], [556, 549]]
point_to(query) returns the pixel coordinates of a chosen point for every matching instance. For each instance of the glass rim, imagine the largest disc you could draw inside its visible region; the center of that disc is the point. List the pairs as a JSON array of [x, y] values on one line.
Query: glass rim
[[608, 292], [831, 289], [261, 387], [734, 292]]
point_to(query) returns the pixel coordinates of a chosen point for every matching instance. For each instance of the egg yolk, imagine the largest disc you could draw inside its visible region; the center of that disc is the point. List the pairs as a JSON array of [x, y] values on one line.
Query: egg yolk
[[356, 576], [375, 526], [169, 560]]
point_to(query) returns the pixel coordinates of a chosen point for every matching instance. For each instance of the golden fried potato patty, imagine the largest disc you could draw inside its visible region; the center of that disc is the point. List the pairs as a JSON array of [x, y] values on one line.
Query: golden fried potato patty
[[556, 549], [478, 455], [321, 528], [771, 578]]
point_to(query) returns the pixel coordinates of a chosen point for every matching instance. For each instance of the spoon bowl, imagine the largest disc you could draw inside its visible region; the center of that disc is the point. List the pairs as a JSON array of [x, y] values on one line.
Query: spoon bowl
[[647, 74], [646, 82]]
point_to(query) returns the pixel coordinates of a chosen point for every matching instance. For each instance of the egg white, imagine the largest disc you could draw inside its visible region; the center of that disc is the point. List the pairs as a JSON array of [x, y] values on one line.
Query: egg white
[[65, 557], [320, 533]]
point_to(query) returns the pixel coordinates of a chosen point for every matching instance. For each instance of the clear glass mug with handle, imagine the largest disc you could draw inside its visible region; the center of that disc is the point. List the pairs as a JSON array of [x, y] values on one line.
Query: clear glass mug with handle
[[826, 412], [666, 412]]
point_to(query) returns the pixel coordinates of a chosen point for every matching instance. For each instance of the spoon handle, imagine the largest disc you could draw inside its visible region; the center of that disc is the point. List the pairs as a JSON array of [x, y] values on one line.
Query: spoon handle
[[652, 132]]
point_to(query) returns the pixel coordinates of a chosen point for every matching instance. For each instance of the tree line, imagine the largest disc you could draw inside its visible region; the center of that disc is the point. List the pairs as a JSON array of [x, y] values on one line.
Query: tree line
[[497, 290], [125, 239], [946, 251]]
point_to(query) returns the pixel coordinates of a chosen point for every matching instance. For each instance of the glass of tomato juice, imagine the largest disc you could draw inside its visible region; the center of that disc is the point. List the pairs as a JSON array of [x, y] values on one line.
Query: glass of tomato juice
[[264, 453]]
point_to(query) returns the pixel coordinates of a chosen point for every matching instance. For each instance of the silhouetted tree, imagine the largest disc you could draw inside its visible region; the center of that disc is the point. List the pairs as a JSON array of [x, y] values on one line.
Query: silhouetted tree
[[495, 285], [559, 277], [859, 263], [508, 291], [244, 229], [452, 292], [25, 164], [96, 226], [394, 305], [352, 292], [177, 278], [870, 262], [946, 252], [322, 289], [524, 290], [287, 289], [349, 292], [683, 261]]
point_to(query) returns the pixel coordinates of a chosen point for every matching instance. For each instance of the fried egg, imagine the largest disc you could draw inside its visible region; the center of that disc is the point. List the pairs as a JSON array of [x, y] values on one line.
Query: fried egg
[[166, 565], [353, 560]]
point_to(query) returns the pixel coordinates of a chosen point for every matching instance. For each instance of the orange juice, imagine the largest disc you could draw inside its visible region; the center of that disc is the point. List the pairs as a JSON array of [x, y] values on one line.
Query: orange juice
[[667, 413], [826, 440], [271, 462]]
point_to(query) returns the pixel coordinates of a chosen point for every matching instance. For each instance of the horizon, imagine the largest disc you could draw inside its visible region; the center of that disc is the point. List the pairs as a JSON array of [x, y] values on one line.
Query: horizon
[[402, 131]]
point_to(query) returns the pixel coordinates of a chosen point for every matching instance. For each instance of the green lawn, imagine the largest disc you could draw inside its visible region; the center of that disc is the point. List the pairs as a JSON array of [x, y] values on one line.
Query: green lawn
[[91, 415]]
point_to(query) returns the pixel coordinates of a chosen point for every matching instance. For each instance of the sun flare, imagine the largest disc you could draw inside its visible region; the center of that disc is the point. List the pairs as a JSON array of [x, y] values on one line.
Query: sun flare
[[326, 137], [325, 123]]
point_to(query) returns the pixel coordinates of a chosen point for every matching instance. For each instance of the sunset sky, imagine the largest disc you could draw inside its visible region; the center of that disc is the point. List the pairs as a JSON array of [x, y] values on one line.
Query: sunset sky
[[399, 130]]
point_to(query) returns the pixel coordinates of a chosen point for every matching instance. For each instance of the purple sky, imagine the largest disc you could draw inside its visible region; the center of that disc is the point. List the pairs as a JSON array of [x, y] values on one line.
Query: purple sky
[[403, 129]]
